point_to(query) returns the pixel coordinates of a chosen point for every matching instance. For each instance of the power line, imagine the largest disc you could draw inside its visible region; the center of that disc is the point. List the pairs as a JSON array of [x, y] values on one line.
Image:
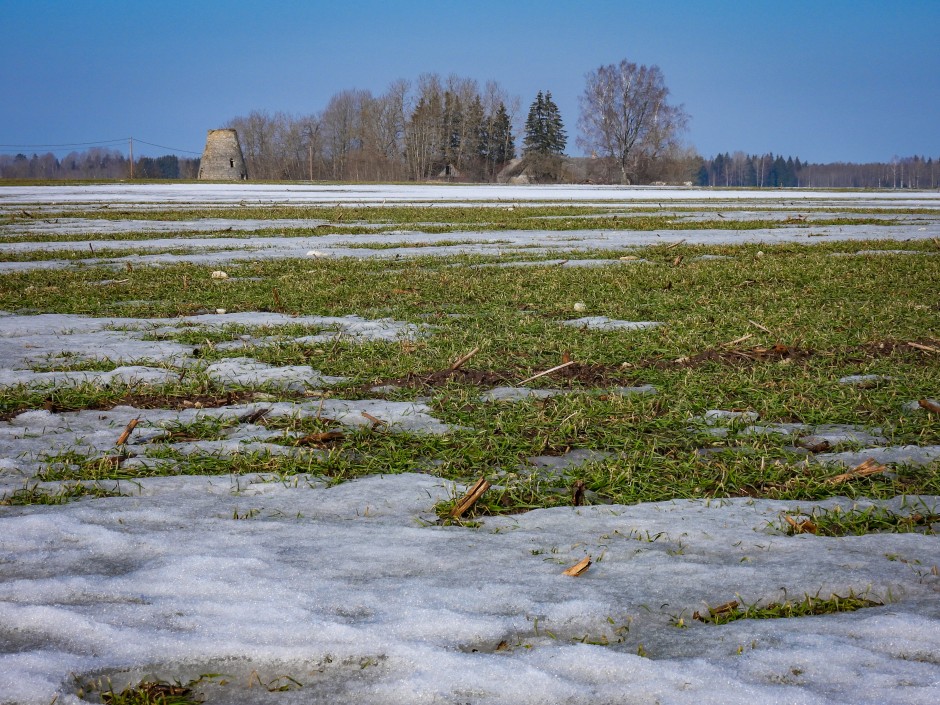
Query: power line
[[172, 149], [69, 145]]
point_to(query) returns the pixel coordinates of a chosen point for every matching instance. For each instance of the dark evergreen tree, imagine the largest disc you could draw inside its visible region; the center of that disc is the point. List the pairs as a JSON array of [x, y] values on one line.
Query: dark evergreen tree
[[502, 144], [544, 130], [555, 136], [535, 137]]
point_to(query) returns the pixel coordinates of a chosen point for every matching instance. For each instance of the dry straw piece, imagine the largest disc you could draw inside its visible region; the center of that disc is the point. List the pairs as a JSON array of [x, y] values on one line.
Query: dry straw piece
[[469, 499], [129, 429], [869, 467], [579, 568]]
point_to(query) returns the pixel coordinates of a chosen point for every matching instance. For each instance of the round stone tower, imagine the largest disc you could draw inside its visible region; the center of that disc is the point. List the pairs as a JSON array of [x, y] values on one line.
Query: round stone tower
[[222, 158]]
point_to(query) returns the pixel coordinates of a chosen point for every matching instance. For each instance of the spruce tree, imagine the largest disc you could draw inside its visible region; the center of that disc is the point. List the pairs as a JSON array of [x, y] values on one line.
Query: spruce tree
[[502, 146], [544, 130], [555, 136], [535, 136]]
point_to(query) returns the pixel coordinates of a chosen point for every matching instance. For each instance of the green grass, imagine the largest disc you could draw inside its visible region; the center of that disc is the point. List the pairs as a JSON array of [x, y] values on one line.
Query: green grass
[[809, 605], [34, 494], [858, 522], [830, 317]]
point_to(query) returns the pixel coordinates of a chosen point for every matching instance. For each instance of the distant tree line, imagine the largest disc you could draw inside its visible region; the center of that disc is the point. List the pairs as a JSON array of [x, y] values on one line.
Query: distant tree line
[[437, 128], [452, 129], [769, 171], [95, 163]]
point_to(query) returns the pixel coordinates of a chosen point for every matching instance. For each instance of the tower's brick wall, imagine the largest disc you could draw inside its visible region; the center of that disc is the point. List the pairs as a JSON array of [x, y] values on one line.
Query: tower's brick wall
[[222, 158]]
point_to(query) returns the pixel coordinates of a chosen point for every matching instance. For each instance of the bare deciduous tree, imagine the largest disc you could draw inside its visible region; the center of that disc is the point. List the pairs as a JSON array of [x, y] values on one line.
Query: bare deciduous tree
[[625, 115]]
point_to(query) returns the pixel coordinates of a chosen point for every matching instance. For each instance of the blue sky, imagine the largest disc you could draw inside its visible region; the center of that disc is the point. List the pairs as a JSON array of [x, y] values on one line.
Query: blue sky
[[830, 80]]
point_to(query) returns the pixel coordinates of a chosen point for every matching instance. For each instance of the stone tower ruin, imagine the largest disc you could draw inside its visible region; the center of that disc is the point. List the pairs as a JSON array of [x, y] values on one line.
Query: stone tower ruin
[[222, 158]]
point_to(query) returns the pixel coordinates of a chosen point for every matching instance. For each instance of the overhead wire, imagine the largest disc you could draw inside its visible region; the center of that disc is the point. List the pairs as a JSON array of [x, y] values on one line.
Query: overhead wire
[[68, 145]]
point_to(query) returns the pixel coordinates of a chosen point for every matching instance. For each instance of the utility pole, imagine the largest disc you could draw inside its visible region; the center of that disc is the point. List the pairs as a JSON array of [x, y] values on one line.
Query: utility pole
[[130, 151]]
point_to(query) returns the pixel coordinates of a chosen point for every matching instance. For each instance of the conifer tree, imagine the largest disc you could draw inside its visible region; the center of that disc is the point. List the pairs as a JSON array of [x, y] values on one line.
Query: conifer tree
[[555, 136], [502, 146], [535, 135], [544, 130]]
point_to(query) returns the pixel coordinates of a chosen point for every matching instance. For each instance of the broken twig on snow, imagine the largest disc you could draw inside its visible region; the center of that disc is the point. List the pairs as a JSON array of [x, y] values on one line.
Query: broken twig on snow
[[128, 430], [470, 498]]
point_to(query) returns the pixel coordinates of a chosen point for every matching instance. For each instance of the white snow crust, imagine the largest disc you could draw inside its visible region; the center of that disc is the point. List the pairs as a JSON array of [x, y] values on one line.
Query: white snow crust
[[354, 592]]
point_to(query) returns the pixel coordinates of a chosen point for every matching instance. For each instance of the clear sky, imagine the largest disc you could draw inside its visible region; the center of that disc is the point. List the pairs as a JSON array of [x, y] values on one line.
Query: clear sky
[[825, 80]]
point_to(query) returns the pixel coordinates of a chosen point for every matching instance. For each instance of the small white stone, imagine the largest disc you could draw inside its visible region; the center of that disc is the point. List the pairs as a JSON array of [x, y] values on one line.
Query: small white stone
[[220, 310], [580, 306], [760, 253], [219, 274], [316, 253]]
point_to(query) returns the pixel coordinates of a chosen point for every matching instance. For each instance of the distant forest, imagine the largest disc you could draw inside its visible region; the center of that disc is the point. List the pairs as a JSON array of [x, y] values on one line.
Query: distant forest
[[451, 129], [96, 163], [768, 171]]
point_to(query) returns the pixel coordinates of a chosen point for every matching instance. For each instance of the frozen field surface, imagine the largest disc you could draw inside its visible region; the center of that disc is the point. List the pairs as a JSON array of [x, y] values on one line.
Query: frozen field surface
[[305, 589], [191, 195], [356, 593]]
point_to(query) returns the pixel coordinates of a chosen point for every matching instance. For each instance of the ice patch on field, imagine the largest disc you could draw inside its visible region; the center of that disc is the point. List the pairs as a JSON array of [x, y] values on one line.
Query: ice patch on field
[[125, 375], [719, 423], [33, 439], [355, 593], [246, 372], [52, 338], [521, 393], [864, 380], [605, 323], [916, 456]]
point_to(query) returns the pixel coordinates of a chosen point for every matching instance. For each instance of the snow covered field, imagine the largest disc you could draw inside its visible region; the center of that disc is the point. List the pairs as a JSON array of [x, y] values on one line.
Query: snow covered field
[[355, 591], [189, 195]]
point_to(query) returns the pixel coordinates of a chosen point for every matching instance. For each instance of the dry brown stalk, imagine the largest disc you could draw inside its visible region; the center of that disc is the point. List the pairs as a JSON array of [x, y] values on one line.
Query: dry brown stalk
[[320, 438], [547, 372], [254, 416], [375, 420], [734, 342], [577, 493], [758, 325], [470, 498], [801, 527], [929, 405], [677, 261], [869, 467], [675, 244], [461, 360], [925, 348], [128, 430], [579, 568], [717, 611]]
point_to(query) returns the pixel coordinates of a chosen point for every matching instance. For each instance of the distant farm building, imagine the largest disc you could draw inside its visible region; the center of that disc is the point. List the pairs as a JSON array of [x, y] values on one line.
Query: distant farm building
[[222, 158]]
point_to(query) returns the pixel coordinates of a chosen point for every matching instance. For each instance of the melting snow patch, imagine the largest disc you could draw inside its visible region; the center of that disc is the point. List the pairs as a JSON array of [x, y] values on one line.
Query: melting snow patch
[[35, 438], [520, 393], [47, 337], [128, 375], [555, 466], [349, 591], [917, 456], [713, 417], [864, 380], [604, 323], [246, 372]]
